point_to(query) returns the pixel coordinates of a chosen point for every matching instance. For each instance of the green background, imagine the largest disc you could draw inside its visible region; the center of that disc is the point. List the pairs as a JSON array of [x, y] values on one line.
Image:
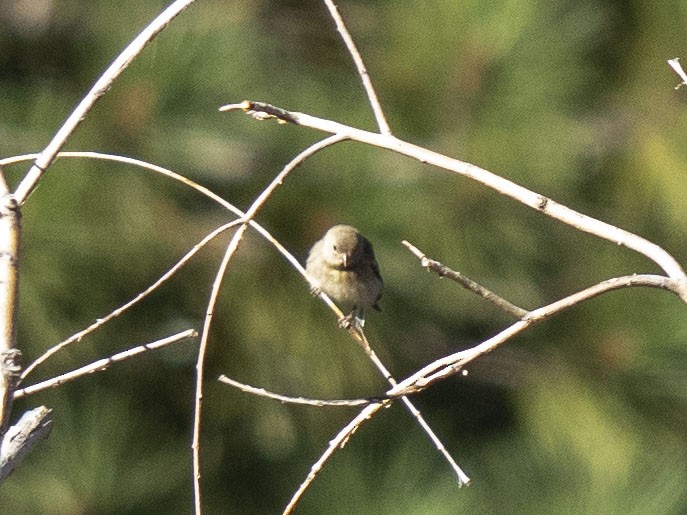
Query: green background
[[586, 413]]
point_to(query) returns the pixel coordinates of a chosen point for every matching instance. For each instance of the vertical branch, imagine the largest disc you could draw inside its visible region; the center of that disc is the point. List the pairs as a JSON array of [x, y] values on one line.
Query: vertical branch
[[216, 285], [9, 279], [200, 364]]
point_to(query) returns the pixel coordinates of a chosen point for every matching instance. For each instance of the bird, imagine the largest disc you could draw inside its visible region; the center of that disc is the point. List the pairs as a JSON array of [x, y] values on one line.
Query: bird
[[342, 264]]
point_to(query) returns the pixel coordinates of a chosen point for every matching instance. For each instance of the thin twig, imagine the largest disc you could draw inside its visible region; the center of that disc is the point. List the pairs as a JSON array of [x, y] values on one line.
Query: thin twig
[[499, 184], [115, 313], [463, 478], [337, 442], [360, 67], [101, 86], [467, 283], [261, 392], [103, 364], [216, 286], [177, 177], [453, 363]]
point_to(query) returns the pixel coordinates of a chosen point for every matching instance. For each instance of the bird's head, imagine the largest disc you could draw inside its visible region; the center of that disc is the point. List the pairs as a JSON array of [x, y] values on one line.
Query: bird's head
[[343, 246]]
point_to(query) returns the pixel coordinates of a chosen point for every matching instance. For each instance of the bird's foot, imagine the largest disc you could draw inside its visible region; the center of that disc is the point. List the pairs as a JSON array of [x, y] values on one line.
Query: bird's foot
[[352, 320]]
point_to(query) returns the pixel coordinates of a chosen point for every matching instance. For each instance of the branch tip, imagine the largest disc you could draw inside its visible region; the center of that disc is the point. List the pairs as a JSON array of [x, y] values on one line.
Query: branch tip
[[677, 68], [263, 111], [243, 106]]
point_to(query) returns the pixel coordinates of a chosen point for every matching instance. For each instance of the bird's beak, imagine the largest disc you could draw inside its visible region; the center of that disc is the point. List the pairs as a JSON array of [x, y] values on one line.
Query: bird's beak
[[345, 260]]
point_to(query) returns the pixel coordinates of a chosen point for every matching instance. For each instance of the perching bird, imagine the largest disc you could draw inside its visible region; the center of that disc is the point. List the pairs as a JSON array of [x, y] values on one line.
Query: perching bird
[[342, 264]]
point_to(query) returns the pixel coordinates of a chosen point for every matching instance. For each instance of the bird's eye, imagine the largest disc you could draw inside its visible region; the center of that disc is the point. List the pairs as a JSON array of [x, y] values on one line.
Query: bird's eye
[[334, 247]]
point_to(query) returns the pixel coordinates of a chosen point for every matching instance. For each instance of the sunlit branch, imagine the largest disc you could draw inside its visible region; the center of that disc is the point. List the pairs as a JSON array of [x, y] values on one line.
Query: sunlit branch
[[10, 237], [138, 298], [101, 86], [337, 442], [677, 68], [104, 364], [360, 67], [499, 184], [453, 363], [33, 426], [261, 392], [214, 293], [467, 283]]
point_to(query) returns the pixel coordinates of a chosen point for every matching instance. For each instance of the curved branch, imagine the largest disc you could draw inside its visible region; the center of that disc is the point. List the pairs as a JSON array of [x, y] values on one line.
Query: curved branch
[[503, 186], [214, 294]]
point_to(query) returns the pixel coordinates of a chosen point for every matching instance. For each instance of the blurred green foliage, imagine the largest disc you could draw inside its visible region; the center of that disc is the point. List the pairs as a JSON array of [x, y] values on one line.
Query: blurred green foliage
[[586, 413]]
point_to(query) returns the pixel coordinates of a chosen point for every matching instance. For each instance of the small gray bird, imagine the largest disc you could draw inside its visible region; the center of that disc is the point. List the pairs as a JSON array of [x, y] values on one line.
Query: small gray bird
[[342, 264]]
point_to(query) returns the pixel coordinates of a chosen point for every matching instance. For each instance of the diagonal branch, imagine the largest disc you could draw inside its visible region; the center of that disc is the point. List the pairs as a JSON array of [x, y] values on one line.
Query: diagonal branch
[[179, 178], [101, 86], [103, 364], [337, 442], [142, 295], [453, 363], [33, 426], [360, 67], [467, 283], [499, 184], [677, 68]]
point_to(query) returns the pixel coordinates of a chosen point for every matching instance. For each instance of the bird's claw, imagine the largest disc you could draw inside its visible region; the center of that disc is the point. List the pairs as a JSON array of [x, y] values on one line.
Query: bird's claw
[[345, 322], [352, 319]]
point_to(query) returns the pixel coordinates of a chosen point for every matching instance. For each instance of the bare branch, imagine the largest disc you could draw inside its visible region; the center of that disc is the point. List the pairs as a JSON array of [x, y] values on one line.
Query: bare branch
[[104, 364], [10, 235], [360, 67], [34, 425], [101, 86], [261, 392], [463, 479], [450, 365], [337, 442], [216, 285], [503, 186], [179, 178], [467, 283], [113, 314]]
